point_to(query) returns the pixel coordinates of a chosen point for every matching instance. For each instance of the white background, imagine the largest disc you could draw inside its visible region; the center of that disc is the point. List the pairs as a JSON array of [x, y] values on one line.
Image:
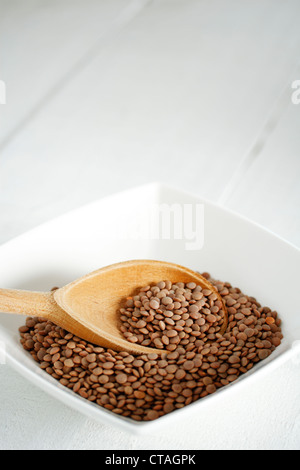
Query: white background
[[105, 95]]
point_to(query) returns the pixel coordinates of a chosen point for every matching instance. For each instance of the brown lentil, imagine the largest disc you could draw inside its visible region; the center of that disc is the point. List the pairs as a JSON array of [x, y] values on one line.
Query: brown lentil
[[183, 319]]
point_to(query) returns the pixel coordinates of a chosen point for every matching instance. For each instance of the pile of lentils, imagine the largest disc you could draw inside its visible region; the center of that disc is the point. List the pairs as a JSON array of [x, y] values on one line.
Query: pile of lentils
[[145, 387], [168, 315]]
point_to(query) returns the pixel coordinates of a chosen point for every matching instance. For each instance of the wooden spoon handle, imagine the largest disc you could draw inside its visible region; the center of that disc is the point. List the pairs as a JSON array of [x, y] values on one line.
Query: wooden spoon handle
[[43, 304], [34, 304]]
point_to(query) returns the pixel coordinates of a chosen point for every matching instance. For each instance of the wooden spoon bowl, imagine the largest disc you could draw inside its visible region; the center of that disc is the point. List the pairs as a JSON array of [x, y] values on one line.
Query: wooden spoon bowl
[[89, 307]]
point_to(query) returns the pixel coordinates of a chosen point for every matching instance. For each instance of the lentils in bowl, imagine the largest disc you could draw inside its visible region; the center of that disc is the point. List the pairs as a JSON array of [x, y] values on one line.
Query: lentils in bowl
[[192, 365]]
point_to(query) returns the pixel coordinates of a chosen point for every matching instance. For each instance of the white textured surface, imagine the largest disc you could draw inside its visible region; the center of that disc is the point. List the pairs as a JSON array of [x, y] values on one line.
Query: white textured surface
[[106, 95]]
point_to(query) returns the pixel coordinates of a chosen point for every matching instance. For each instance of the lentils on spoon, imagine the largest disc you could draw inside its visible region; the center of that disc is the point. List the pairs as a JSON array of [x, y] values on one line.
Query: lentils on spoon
[[168, 315]]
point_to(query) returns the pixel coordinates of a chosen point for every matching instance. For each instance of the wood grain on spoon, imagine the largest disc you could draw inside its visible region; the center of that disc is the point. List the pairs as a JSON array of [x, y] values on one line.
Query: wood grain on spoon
[[89, 307]]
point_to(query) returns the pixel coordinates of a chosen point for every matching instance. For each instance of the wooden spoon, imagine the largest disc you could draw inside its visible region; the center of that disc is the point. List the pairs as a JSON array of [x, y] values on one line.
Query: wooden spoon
[[89, 307]]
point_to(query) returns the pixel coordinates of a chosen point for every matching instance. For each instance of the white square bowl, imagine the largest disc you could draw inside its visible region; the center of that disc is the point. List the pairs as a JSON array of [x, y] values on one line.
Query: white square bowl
[[235, 250]]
